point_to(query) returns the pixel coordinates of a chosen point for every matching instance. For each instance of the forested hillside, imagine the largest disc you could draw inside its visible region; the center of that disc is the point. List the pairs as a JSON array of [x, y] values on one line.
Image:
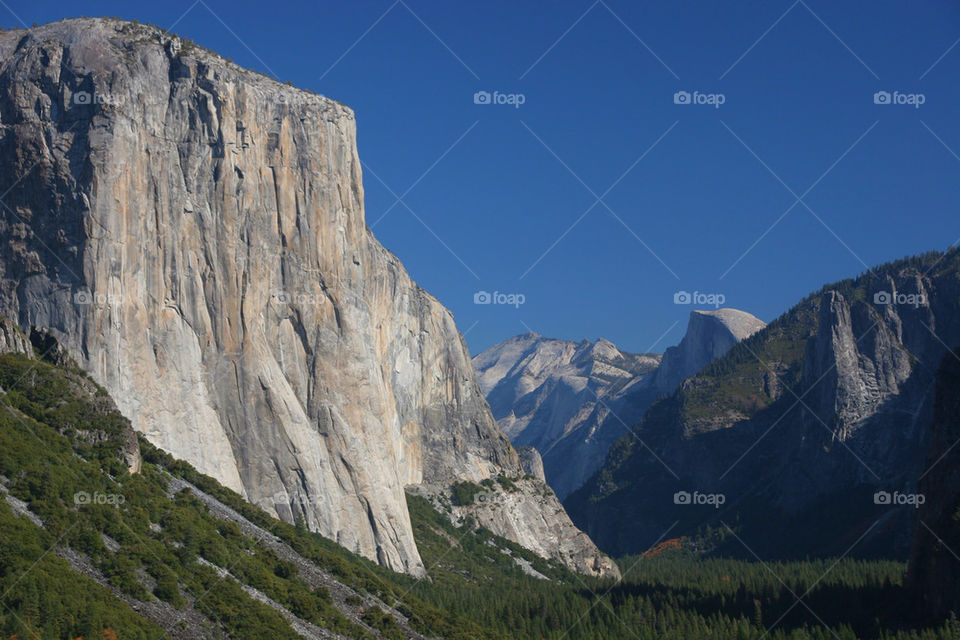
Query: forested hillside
[[93, 550]]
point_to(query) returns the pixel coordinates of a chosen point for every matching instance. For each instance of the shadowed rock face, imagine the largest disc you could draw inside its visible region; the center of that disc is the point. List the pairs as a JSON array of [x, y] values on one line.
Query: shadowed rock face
[[797, 426], [934, 572], [532, 462], [193, 234], [571, 400]]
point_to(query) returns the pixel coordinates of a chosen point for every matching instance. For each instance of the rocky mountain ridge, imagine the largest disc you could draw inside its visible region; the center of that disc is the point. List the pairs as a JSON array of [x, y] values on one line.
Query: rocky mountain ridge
[[571, 400], [553, 395], [797, 427], [709, 335], [193, 235]]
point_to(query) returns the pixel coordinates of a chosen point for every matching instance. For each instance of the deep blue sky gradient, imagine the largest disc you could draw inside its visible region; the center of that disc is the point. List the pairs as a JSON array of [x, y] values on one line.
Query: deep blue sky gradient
[[797, 103]]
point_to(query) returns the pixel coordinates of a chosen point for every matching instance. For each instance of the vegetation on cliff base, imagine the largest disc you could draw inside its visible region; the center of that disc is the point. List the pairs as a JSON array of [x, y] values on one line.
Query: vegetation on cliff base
[[60, 438]]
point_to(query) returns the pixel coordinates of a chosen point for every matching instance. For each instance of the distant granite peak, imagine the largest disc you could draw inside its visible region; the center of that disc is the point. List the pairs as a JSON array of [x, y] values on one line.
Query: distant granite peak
[[740, 323], [710, 334], [832, 402], [571, 400]]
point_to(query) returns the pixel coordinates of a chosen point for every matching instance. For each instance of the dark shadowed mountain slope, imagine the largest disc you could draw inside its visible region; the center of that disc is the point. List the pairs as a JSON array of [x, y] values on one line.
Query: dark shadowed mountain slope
[[787, 437], [935, 559]]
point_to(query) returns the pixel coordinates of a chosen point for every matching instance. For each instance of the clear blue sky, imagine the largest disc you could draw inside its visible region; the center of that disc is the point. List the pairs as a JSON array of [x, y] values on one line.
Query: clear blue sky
[[598, 80]]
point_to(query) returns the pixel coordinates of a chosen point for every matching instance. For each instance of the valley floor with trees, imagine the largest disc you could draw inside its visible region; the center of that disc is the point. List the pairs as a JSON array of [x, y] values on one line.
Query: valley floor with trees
[[60, 437]]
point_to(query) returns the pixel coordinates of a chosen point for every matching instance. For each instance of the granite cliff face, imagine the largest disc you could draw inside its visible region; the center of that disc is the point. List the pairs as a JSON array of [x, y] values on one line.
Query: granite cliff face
[[532, 462], [797, 427], [12, 340], [571, 400], [193, 234], [553, 395], [710, 334]]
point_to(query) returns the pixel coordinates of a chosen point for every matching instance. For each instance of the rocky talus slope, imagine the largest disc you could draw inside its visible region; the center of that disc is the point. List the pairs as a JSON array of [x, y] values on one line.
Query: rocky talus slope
[[193, 234]]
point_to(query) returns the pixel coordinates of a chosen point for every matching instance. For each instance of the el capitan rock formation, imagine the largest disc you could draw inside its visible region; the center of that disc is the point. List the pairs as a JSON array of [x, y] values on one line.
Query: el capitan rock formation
[[193, 234]]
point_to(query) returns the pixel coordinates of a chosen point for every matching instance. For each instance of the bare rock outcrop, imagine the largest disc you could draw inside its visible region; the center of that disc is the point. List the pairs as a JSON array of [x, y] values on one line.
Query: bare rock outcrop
[[12, 340], [532, 462], [571, 400], [710, 334], [193, 234], [554, 395], [802, 427]]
